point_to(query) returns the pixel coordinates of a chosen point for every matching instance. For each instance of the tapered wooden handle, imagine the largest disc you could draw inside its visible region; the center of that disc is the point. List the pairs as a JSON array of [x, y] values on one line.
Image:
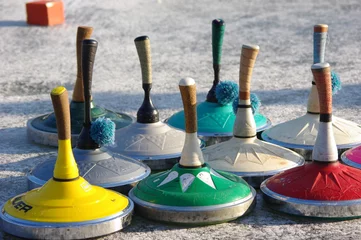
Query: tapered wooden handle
[[143, 48], [82, 33], [218, 27], [319, 42], [187, 88], [322, 75], [59, 97], [248, 59], [89, 49]]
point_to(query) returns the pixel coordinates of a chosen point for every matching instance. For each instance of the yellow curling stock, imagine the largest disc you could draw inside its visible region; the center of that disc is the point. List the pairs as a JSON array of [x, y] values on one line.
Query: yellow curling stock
[[65, 167], [58, 90], [61, 202]]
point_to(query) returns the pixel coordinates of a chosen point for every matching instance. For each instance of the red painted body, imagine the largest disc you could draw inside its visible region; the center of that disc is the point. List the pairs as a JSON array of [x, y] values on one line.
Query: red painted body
[[354, 154], [319, 181]]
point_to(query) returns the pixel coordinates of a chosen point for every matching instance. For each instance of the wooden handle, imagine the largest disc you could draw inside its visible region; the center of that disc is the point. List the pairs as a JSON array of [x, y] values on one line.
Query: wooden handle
[[187, 88], [319, 42], [89, 49], [143, 48], [82, 33], [248, 59], [320, 28], [322, 75], [59, 97]]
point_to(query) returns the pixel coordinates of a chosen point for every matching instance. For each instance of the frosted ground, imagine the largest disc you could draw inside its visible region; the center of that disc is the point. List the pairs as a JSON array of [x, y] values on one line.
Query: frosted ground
[[36, 59]]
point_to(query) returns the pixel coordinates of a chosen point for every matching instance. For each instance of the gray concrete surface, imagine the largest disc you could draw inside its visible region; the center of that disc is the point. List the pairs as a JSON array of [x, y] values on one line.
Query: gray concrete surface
[[36, 59]]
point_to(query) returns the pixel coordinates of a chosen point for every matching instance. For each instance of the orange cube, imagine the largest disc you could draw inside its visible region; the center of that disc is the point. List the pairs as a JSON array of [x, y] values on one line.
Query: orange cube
[[45, 13]]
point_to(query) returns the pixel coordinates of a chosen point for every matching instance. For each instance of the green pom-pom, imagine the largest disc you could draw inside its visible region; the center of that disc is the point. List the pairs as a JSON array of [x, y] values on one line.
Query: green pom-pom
[[336, 82], [226, 92], [255, 104], [102, 131]]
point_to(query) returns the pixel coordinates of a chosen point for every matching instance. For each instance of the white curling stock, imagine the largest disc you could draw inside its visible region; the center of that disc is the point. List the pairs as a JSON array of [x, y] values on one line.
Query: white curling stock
[[191, 154], [244, 124], [313, 104], [325, 149]]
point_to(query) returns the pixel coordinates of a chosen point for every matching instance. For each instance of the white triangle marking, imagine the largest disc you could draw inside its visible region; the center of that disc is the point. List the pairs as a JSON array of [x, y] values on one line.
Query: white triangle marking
[[186, 180], [171, 176], [206, 178]]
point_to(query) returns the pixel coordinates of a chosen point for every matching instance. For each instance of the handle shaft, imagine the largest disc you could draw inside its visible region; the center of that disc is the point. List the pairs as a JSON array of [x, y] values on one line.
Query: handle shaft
[[89, 50], [187, 88], [59, 98], [218, 28], [319, 42], [248, 59], [82, 33], [322, 75], [143, 48]]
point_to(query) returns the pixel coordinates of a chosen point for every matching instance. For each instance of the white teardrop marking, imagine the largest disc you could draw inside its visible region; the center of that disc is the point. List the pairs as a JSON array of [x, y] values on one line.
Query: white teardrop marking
[[171, 176], [186, 180], [214, 173], [206, 178]]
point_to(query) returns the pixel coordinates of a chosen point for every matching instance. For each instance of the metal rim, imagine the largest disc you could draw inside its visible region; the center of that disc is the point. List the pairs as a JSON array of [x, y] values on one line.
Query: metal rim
[[35, 182], [195, 215], [349, 162], [227, 134], [266, 173], [311, 208], [72, 230], [265, 137]]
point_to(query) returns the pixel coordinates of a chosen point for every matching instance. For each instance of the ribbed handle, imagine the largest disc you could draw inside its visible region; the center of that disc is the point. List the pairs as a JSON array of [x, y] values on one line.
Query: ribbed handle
[[322, 75], [248, 59], [59, 98], [83, 33], [319, 42], [187, 88], [218, 27], [143, 48], [89, 50]]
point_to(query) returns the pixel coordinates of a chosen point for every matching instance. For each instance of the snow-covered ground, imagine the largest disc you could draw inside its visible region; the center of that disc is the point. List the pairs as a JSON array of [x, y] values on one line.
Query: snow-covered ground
[[36, 59]]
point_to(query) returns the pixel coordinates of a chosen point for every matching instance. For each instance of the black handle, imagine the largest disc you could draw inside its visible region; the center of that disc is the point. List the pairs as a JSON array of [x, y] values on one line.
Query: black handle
[[89, 49]]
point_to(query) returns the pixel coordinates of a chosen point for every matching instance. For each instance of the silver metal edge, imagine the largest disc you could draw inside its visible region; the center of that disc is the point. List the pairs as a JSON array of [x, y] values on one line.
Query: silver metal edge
[[349, 162], [311, 208], [226, 134], [81, 230], [266, 138], [191, 215], [34, 182]]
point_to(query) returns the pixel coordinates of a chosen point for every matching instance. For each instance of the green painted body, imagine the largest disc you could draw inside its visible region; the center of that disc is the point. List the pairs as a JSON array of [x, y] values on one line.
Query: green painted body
[[213, 118], [228, 188], [47, 122]]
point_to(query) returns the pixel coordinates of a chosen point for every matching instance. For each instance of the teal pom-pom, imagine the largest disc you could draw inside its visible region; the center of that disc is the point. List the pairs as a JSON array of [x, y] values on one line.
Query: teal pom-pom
[[102, 131], [255, 104], [336, 82], [226, 92]]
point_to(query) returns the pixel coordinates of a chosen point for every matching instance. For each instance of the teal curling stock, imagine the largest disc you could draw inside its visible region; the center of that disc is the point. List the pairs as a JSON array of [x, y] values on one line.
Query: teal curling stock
[[215, 115]]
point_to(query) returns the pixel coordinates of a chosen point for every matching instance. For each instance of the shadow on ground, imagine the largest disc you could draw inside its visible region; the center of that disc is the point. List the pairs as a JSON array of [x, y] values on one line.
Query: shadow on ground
[[13, 23]]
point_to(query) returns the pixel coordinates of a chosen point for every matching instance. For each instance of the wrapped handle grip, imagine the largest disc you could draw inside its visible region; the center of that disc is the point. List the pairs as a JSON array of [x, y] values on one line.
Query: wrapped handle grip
[[322, 75], [143, 48], [248, 59], [187, 88], [59, 98], [82, 33]]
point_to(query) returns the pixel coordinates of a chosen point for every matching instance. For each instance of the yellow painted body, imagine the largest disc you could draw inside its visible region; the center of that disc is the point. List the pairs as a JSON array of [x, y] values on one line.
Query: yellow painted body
[[74, 200], [65, 166]]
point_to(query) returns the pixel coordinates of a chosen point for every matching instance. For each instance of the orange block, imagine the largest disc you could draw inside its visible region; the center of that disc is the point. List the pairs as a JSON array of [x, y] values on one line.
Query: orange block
[[46, 13]]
